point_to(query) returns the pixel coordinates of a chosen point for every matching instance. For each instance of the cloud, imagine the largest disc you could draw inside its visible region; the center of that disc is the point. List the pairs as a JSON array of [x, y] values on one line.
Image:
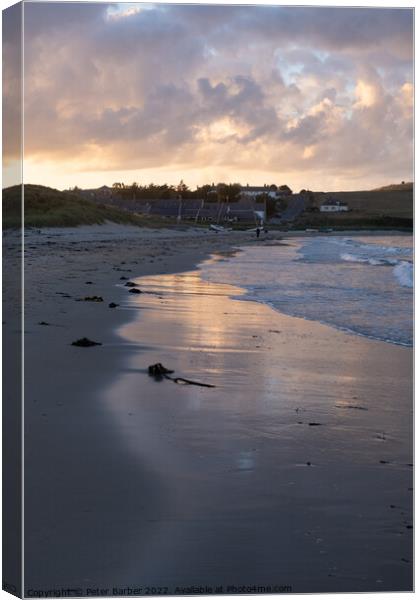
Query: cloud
[[12, 85], [257, 89]]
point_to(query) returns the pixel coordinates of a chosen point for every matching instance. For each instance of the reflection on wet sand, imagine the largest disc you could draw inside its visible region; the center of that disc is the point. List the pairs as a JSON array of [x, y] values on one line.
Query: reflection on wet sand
[[284, 473]]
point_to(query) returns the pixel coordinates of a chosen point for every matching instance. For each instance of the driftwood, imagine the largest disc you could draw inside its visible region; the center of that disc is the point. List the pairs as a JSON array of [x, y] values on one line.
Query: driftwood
[[158, 371], [190, 382]]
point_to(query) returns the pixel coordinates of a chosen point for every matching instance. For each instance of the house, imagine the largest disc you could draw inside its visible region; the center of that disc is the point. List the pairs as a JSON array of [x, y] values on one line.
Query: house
[[332, 205], [252, 191], [97, 194]]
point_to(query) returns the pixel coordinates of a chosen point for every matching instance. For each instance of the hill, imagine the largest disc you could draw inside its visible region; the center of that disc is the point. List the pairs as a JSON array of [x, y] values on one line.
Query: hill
[[47, 207], [374, 203], [387, 208], [402, 187]]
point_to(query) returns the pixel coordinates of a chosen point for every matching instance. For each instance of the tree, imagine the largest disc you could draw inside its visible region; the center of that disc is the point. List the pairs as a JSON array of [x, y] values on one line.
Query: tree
[[204, 191], [285, 190], [134, 189], [271, 208], [234, 191], [260, 198], [182, 189], [222, 191]]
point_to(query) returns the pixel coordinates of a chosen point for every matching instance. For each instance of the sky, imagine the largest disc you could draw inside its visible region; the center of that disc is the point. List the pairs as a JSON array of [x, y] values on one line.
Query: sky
[[311, 97]]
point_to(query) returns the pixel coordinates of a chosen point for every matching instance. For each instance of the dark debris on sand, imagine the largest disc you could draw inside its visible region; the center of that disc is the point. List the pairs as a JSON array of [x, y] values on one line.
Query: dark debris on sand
[[85, 343], [158, 371], [93, 299], [351, 406]]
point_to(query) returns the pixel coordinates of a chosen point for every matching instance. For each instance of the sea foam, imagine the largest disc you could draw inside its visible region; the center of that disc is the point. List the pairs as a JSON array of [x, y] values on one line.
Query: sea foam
[[348, 257], [404, 274]]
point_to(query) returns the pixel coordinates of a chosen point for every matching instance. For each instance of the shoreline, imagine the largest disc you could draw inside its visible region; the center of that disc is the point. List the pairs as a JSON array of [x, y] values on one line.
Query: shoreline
[[67, 420]]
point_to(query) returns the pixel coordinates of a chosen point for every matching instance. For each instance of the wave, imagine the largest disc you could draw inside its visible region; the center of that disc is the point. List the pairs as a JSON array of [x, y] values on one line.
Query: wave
[[404, 274], [348, 257], [374, 247], [403, 270], [309, 281]]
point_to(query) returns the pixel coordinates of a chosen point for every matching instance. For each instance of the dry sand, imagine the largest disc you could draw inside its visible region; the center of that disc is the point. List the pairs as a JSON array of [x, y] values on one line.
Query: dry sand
[[132, 482]]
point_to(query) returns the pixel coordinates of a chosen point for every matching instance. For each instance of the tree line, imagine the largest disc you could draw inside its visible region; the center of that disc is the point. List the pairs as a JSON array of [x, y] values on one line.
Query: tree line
[[222, 192]]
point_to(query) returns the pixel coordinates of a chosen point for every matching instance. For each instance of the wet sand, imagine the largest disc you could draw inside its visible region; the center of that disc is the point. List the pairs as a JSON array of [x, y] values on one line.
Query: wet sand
[[295, 470], [286, 472]]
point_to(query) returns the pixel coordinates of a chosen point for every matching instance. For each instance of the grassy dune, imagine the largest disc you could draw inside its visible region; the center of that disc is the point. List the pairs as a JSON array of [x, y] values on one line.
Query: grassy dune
[[47, 207]]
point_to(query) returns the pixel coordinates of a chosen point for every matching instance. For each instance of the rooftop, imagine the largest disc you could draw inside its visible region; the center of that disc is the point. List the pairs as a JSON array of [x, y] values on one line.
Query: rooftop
[[332, 202]]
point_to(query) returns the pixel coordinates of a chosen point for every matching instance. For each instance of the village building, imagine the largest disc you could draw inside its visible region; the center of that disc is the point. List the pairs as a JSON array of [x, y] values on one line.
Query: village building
[[332, 205], [252, 191]]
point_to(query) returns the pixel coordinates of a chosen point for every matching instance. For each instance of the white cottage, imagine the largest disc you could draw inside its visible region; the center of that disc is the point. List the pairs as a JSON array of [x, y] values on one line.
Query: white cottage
[[252, 191], [334, 206]]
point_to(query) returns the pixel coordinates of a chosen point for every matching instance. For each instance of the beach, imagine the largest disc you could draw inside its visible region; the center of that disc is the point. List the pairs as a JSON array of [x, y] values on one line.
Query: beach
[[292, 474]]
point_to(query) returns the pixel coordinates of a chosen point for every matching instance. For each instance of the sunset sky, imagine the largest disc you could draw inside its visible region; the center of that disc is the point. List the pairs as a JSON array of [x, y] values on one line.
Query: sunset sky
[[320, 98]]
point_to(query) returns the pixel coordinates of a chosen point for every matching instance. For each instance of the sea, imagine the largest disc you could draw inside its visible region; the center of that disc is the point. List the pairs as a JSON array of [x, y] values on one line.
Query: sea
[[362, 285]]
